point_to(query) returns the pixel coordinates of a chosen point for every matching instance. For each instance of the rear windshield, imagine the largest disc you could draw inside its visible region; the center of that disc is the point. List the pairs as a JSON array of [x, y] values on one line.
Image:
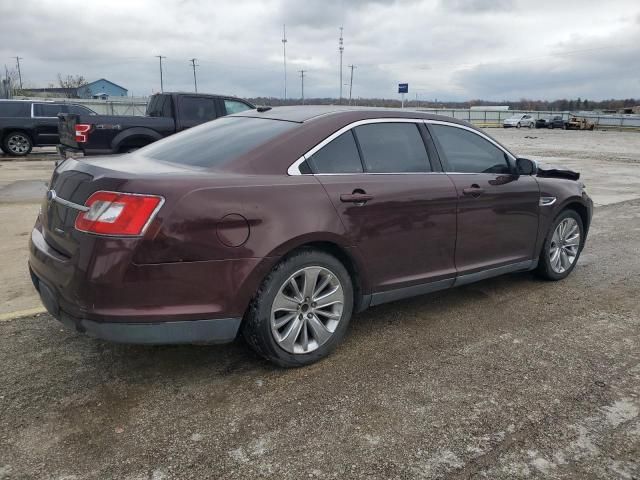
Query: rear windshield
[[217, 142]]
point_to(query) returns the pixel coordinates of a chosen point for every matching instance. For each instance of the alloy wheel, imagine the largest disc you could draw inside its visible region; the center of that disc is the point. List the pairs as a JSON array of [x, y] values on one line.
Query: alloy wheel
[[307, 310], [18, 144], [565, 244]]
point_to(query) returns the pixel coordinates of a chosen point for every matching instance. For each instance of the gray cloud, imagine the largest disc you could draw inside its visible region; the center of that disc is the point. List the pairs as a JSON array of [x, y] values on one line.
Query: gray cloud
[[453, 50]]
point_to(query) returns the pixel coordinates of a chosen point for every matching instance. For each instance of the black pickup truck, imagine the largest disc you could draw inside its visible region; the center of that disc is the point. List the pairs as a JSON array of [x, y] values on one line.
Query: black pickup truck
[[167, 113]]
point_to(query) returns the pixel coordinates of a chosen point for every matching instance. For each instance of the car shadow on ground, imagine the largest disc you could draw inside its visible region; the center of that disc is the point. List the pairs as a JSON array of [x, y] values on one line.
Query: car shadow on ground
[[134, 363]]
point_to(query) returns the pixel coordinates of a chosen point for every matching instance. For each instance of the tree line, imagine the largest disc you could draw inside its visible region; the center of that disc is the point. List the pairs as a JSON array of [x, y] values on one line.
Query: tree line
[[522, 104]]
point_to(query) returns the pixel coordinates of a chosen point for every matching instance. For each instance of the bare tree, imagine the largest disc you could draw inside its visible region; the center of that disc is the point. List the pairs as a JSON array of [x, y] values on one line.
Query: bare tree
[[72, 83]]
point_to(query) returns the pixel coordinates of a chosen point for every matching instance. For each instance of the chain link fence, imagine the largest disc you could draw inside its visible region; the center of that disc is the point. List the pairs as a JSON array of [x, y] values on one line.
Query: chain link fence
[[495, 118], [136, 106]]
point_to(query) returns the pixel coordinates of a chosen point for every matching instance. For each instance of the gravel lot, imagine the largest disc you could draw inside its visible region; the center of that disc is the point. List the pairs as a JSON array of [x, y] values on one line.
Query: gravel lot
[[508, 378]]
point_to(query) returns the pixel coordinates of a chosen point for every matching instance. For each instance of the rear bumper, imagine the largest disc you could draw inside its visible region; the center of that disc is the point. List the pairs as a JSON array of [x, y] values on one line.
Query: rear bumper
[[219, 330]]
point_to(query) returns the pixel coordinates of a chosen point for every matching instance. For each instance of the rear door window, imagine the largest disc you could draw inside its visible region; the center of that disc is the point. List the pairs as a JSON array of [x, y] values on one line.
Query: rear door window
[[338, 156], [392, 148], [468, 152], [15, 109], [195, 110], [48, 110], [80, 110], [216, 143]]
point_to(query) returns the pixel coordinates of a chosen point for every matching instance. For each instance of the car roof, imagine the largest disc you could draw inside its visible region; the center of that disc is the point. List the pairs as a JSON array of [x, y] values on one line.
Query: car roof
[[307, 113]]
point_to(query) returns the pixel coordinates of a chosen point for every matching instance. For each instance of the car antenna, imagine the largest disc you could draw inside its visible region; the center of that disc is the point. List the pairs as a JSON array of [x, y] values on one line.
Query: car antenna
[[263, 108]]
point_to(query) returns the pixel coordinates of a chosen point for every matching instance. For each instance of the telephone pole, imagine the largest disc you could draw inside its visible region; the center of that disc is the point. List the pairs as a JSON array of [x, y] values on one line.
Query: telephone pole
[[351, 82], [160, 57], [341, 50], [195, 81], [284, 57], [19, 72], [302, 84]]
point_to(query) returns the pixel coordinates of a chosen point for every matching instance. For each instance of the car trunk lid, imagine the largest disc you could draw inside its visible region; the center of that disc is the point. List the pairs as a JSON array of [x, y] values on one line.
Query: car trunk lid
[[75, 180]]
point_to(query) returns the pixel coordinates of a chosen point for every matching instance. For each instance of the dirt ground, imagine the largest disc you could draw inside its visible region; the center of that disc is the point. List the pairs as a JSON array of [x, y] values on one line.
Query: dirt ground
[[508, 378]]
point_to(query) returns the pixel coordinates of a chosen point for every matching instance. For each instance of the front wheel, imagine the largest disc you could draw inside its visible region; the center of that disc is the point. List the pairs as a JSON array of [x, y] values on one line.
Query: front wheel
[[518, 125], [18, 144], [302, 310], [562, 247]]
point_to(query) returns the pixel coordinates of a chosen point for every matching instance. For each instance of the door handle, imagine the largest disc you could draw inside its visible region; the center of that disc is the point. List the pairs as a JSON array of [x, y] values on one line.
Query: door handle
[[473, 191], [358, 198]]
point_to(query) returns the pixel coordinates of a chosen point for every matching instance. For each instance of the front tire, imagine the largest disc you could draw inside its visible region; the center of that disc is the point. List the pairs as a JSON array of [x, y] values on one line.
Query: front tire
[[518, 125], [562, 247], [17, 144], [302, 310]]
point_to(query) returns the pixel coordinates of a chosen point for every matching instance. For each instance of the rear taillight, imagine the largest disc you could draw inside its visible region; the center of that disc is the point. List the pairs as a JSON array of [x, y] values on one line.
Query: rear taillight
[[120, 214], [82, 132]]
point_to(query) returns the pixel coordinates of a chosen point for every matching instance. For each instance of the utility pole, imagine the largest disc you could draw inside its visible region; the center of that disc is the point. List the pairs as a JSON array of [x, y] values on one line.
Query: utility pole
[[351, 83], [284, 57], [341, 50], [302, 84], [19, 72], [160, 57], [195, 81]]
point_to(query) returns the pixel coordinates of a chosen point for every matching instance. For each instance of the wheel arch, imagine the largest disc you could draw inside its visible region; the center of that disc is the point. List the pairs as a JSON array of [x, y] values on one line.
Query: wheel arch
[[27, 131], [581, 209], [136, 133], [330, 244]]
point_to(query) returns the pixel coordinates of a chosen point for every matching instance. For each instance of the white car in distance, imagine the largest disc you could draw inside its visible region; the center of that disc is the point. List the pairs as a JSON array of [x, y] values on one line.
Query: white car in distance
[[520, 120]]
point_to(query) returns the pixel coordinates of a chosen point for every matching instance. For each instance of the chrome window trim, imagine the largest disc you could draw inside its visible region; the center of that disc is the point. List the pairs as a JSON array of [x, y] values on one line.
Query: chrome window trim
[[294, 168], [33, 108]]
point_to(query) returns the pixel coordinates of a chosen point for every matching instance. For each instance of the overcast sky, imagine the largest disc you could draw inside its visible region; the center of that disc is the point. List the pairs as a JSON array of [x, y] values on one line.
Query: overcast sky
[[444, 49]]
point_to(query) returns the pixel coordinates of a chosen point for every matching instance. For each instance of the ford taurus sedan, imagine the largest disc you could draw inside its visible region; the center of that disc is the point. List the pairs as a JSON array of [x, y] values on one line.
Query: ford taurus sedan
[[281, 223]]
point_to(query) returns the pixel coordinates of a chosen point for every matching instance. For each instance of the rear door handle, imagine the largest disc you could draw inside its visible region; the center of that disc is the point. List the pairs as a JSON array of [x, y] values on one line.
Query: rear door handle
[[473, 191], [361, 198]]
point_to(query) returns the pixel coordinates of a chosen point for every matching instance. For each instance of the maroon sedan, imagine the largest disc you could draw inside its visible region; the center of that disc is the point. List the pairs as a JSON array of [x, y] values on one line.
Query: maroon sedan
[[281, 223]]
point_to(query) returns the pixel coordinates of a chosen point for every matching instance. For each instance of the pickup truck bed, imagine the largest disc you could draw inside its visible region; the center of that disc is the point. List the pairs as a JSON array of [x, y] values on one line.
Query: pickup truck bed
[[167, 113]]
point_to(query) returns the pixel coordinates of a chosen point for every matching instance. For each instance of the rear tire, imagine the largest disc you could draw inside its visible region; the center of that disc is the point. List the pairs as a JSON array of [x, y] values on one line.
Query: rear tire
[[17, 144], [295, 329], [552, 267]]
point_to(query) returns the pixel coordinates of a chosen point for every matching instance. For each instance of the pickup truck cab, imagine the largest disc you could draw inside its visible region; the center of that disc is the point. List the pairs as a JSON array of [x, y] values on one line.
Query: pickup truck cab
[[167, 113], [25, 124]]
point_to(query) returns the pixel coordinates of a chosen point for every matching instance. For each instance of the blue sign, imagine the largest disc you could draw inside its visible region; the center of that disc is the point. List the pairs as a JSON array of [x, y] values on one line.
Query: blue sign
[[403, 88]]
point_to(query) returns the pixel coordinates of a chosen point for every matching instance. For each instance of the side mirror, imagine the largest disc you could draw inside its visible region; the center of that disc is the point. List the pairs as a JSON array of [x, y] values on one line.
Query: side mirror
[[524, 166]]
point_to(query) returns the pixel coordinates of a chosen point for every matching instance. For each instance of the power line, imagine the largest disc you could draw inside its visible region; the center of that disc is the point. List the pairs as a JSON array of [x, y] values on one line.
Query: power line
[[19, 73], [160, 57], [284, 57], [351, 82], [302, 84], [341, 50], [195, 81]]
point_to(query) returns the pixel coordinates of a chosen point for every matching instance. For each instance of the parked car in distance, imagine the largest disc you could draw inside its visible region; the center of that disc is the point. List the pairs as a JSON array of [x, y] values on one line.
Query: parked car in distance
[[555, 121], [25, 124], [519, 120], [579, 123], [282, 223], [167, 113]]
